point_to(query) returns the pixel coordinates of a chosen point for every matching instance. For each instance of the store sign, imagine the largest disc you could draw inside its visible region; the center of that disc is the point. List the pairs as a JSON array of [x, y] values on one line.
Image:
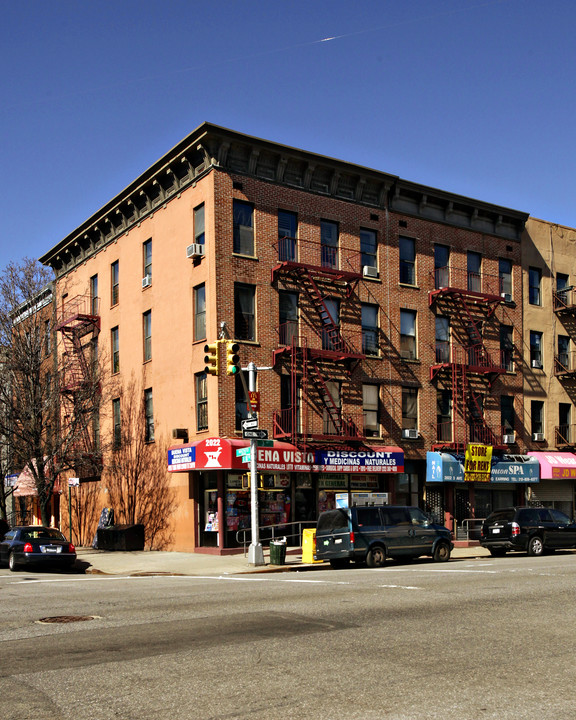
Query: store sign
[[477, 463], [350, 461], [182, 458], [442, 467]]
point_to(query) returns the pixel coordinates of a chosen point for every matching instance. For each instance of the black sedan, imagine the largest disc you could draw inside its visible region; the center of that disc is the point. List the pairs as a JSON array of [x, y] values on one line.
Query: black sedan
[[36, 545]]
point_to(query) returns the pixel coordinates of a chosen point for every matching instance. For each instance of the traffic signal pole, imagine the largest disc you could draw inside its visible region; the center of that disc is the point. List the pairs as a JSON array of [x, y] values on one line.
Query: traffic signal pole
[[255, 552]]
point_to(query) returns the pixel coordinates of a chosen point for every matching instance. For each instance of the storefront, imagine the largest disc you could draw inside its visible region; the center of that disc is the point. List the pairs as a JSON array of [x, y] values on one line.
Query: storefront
[[459, 503], [293, 486], [557, 480]]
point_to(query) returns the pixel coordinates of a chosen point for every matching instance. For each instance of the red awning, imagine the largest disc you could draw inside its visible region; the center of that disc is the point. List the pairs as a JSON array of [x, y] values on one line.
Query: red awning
[[26, 485]]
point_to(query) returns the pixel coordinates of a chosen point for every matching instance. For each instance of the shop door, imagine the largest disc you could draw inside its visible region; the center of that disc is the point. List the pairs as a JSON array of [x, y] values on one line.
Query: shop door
[[435, 504], [462, 511]]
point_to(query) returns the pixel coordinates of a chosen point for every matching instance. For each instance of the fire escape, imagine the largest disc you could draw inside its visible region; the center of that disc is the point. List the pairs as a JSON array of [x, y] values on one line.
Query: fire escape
[[465, 368], [564, 303], [317, 355], [79, 325]]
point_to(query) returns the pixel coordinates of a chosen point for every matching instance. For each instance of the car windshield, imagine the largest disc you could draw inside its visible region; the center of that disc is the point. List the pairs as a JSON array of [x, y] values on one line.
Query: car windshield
[[43, 534]]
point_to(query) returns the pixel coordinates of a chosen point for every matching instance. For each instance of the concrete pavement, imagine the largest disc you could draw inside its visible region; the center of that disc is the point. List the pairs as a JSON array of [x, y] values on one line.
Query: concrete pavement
[[154, 562]]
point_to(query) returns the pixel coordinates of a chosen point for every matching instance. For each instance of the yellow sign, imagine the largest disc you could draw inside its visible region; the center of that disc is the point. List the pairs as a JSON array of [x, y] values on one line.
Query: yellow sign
[[477, 463]]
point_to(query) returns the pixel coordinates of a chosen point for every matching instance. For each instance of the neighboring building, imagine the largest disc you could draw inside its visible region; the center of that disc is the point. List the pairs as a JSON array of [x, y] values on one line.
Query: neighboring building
[[387, 317], [549, 264]]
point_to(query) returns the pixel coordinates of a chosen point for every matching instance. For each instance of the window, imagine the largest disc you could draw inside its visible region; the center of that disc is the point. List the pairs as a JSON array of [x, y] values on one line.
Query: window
[[506, 348], [330, 427], [201, 402], [370, 407], [408, 334], [244, 312], [442, 340], [537, 417], [47, 337], [241, 402], [147, 334], [441, 266], [331, 339], [505, 276], [370, 345], [536, 350], [200, 312], [199, 225], [444, 415], [115, 283], [474, 268], [409, 408], [507, 414], [115, 344], [288, 317], [290, 400], [329, 244], [564, 431], [562, 288], [243, 228], [407, 260], [534, 286], [116, 423], [368, 248], [147, 259], [148, 416], [287, 232], [94, 295], [563, 363]]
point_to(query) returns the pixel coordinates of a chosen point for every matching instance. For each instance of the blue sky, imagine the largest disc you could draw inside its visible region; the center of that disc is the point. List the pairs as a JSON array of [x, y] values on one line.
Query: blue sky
[[476, 97]]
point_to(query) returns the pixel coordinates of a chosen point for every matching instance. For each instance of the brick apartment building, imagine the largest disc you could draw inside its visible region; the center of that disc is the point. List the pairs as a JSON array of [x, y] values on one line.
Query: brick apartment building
[[385, 317]]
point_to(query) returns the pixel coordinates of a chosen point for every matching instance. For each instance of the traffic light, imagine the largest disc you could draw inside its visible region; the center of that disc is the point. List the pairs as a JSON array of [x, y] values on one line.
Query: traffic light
[[232, 358], [211, 359]]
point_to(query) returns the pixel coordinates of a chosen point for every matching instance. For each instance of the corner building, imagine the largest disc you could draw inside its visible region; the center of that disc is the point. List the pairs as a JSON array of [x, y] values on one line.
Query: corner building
[[383, 316]]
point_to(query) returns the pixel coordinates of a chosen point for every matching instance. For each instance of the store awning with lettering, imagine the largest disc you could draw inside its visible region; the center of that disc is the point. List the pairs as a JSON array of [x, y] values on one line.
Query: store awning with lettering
[[278, 456], [443, 467], [561, 465]]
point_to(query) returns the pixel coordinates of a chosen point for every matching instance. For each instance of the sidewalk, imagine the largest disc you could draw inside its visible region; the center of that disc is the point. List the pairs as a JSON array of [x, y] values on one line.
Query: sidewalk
[[156, 562]]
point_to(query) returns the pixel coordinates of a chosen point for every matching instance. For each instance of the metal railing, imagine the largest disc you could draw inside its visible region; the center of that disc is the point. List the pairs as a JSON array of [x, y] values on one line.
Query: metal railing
[[469, 529], [268, 533]]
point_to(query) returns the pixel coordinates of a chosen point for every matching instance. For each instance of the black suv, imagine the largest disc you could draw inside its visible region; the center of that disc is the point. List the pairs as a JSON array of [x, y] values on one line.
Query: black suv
[[532, 529], [371, 534]]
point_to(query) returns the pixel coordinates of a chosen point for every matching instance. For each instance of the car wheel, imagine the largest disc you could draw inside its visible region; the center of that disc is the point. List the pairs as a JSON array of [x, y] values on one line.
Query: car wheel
[[12, 562], [376, 557], [535, 546], [441, 553], [339, 563], [497, 552]]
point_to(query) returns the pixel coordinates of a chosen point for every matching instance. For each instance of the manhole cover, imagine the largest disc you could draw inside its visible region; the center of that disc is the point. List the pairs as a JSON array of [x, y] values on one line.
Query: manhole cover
[[66, 618]]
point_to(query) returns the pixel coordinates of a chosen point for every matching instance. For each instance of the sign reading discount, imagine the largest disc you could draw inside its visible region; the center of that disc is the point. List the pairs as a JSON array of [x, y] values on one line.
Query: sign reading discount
[[477, 463]]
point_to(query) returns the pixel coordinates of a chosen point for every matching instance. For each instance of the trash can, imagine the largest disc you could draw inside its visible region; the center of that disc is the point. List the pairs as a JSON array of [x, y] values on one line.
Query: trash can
[[309, 546], [278, 552]]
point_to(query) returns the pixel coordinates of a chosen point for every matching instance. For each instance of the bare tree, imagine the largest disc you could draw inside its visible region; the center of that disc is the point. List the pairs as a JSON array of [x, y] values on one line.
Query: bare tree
[[136, 475], [44, 435]]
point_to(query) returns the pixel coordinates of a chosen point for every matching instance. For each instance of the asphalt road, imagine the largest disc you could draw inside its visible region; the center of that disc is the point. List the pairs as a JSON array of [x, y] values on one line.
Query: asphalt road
[[485, 638]]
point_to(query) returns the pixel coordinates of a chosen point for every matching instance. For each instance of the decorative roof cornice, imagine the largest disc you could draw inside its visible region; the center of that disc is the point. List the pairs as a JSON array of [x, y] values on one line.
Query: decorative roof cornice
[[212, 147]]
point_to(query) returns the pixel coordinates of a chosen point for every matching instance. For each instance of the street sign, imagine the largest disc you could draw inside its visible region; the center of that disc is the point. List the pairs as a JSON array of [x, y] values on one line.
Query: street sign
[[10, 480], [254, 403], [265, 443], [73, 482], [258, 434], [250, 424], [241, 452]]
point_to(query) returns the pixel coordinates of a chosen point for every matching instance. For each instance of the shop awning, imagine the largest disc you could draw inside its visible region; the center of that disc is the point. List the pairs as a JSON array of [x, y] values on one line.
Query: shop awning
[[443, 467], [556, 464], [278, 456], [25, 485]]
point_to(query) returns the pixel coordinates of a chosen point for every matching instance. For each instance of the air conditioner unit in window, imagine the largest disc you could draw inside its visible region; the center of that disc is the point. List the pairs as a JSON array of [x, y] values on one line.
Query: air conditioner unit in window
[[510, 438], [538, 437], [537, 364], [146, 281], [506, 296], [410, 434], [194, 250], [370, 271]]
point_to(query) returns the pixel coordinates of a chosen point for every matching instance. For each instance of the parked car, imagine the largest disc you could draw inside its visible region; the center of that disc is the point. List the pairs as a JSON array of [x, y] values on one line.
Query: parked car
[[531, 529], [372, 534], [36, 545]]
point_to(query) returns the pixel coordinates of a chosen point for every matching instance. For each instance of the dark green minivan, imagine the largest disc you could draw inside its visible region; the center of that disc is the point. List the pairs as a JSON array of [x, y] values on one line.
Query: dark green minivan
[[371, 534]]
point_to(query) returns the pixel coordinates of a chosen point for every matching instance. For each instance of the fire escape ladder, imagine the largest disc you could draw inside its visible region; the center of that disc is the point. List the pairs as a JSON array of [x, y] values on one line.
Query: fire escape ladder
[[330, 331], [332, 409]]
